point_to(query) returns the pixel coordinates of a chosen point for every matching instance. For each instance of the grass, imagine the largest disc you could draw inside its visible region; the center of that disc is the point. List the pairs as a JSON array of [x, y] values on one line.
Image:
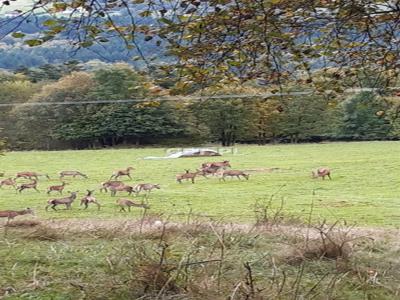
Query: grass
[[364, 188]]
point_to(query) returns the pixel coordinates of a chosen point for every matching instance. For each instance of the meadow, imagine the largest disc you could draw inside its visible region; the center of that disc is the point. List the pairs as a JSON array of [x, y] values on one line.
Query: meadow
[[364, 189]]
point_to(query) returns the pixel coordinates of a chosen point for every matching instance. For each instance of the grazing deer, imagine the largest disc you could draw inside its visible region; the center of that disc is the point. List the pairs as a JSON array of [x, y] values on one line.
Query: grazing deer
[[11, 214], [126, 172], [71, 173], [106, 185], [9, 182], [56, 188], [188, 175], [31, 175], [89, 199], [30, 185], [321, 172], [67, 201], [210, 171], [233, 173], [147, 187], [223, 164], [121, 188], [122, 203]]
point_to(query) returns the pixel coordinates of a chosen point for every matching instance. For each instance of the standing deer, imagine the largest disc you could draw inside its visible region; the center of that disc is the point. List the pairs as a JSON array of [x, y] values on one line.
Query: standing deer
[[9, 182], [56, 188], [222, 164], [121, 188], [108, 184], [31, 175], [11, 214], [147, 187], [119, 173], [188, 175], [321, 172], [67, 201], [89, 199], [233, 173], [30, 185], [210, 170], [71, 173], [122, 203]]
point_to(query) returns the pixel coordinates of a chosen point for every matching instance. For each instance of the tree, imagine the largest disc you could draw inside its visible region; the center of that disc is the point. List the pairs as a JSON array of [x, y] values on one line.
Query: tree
[[364, 117]]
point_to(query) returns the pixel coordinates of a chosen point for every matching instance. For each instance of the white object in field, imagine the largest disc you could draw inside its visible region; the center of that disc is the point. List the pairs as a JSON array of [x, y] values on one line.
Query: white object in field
[[193, 152]]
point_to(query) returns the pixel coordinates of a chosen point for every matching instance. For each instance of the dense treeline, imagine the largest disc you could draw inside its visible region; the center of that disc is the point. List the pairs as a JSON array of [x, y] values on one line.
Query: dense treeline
[[72, 125]]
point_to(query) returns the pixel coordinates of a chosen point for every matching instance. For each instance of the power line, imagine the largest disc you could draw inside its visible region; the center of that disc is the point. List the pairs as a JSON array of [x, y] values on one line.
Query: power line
[[177, 98]]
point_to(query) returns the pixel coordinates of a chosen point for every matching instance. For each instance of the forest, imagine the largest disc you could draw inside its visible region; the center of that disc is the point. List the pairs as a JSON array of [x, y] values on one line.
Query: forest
[[67, 124]]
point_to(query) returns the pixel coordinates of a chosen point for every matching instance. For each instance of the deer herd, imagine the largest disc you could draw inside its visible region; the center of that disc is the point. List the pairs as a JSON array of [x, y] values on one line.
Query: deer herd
[[220, 170]]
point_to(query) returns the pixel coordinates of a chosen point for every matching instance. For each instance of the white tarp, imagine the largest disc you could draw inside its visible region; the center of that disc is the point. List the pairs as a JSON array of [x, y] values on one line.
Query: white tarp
[[188, 153]]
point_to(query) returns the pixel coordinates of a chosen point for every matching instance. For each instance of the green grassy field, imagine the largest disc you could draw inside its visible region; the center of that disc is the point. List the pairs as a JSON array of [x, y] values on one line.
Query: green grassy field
[[364, 189]]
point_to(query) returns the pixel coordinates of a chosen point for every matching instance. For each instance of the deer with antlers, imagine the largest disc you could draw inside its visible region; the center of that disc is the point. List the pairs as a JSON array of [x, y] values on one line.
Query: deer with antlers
[[31, 175], [71, 173], [122, 203], [89, 199], [67, 201], [8, 182], [119, 173], [30, 185], [321, 172], [56, 188], [11, 214]]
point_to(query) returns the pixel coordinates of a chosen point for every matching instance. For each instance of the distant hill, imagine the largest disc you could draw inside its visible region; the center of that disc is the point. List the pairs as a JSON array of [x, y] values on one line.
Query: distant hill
[[14, 54]]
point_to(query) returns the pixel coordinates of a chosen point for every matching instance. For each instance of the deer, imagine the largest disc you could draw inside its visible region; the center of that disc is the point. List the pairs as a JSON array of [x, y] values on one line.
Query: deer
[[119, 173], [121, 188], [122, 203], [222, 164], [8, 182], [148, 187], [56, 188], [11, 214], [321, 172], [233, 173], [30, 185], [67, 201], [106, 185], [71, 173], [210, 170], [89, 199], [31, 175], [188, 175]]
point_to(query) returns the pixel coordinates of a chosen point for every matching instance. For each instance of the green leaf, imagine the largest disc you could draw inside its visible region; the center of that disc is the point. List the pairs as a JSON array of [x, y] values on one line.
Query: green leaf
[[50, 22], [17, 35], [33, 43]]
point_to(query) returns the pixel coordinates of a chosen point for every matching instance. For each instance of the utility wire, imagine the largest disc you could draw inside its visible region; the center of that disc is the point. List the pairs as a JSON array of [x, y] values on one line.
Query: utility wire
[[184, 98]]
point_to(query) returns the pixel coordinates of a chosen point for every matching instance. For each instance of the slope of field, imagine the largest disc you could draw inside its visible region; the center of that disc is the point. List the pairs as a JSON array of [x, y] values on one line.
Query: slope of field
[[364, 188]]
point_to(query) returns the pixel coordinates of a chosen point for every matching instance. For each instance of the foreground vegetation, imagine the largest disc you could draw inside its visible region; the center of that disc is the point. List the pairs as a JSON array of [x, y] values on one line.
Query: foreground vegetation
[[363, 189], [139, 260]]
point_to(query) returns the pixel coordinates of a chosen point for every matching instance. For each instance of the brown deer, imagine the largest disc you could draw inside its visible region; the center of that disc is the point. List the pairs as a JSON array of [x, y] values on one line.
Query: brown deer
[[56, 188], [71, 173], [8, 182], [321, 172], [222, 164], [122, 203], [119, 173], [31, 175], [106, 185], [67, 201], [30, 185], [147, 187], [210, 171], [233, 173], [89, 199], [121, 188], [188, 175], [11, 214]]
